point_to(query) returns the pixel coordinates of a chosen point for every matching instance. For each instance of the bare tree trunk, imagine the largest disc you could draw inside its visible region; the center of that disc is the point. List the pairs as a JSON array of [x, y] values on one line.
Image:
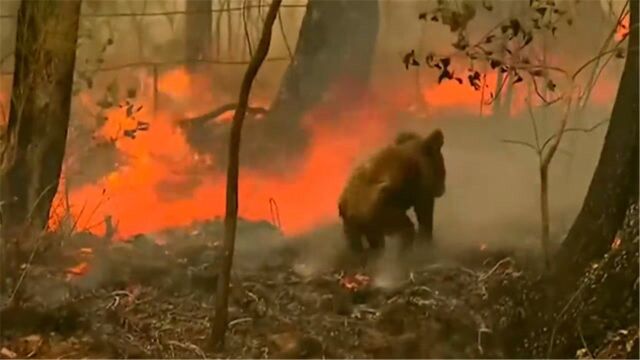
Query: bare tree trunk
[[337, 42], [334, 52], [31, 154], [219, 324], [198, 28], [615, 180]]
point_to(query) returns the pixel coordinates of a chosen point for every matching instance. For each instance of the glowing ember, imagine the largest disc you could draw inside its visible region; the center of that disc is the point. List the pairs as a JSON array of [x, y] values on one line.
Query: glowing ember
[[623, 28], [79, 269], [616, 243], [86, 251], [355, 282]]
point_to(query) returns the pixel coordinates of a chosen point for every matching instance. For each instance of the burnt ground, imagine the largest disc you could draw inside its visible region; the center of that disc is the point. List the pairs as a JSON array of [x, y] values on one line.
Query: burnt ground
[[152, 297]]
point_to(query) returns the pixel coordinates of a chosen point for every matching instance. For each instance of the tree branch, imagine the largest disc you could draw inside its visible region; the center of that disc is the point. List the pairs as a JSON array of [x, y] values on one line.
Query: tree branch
[[546, 159], [212, 115], [519, 142], [534, 125], [584, 130]]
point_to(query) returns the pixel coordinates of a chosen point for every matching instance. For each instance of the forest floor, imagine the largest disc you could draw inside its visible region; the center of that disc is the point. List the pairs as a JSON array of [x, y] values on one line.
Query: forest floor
[[153, 298]]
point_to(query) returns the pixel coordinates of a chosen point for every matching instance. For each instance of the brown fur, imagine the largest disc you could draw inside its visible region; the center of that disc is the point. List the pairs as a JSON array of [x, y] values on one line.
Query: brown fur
[[409, 173]]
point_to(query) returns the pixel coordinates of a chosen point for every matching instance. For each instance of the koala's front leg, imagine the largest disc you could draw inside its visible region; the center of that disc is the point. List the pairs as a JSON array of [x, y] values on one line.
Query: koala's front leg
[[424, 213]]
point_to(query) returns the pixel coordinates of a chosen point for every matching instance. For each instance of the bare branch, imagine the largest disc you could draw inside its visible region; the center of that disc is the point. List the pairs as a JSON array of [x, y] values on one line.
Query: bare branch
[[567, 130], [595, 58], [518, 142], [540, 95], [212, 115], [546, 159], [247, 36], [534, 125]]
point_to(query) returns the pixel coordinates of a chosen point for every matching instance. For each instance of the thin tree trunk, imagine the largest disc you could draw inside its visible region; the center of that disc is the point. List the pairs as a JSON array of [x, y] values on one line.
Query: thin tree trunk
[[615, 180], [198, 28], [544, 214], [219, 324], [31, 154]]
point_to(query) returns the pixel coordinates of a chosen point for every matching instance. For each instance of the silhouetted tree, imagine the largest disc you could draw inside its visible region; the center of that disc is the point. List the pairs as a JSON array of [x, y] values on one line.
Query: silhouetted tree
[[33, 144]]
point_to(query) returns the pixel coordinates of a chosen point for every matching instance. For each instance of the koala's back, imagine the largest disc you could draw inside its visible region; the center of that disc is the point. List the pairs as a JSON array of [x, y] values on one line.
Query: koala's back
[[376, 182]]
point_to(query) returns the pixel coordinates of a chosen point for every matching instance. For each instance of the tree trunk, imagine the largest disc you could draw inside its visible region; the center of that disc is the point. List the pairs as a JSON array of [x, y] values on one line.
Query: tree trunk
[[615, 180], [198, 26], [32, 152], [219, 324], [337, 42], [333, 58]]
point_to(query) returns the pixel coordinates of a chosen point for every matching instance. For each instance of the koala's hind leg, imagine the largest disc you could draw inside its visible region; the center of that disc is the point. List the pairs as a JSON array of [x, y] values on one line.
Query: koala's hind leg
[[424, 214], [375, 239], [401, 225], [353, 236]]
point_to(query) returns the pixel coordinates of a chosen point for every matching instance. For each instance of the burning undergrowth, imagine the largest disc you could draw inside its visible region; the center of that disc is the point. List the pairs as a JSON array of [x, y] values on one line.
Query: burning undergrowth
[[152, 296]]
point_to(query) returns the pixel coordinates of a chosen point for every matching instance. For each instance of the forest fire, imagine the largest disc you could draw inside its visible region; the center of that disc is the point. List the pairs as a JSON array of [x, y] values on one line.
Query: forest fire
[[164, 184], [156, 188], [129, 256]]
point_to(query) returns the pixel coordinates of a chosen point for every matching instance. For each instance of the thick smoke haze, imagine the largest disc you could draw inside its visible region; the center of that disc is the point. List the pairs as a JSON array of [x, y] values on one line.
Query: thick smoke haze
[[492, 194]]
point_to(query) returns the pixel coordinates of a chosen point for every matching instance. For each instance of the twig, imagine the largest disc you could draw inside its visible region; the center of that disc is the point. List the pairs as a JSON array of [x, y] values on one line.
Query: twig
[[534, 125], [212, 115], [246, 28], [239, 321], [481, 330], [584, 130], [495, 267], [559, 318], [275, 213], [584, 343], [542, 97], [188, 346], [518, 142]]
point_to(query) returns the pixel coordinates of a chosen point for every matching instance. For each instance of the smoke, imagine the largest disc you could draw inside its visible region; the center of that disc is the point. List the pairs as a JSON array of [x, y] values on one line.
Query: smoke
[[492, 192], [492, 198]]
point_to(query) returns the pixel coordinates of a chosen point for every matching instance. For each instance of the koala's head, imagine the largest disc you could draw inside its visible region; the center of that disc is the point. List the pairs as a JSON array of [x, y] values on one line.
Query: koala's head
[[432, 149]]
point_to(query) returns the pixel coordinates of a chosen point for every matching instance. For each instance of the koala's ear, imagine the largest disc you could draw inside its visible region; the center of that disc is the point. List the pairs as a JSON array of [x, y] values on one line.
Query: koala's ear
[[434, 141]]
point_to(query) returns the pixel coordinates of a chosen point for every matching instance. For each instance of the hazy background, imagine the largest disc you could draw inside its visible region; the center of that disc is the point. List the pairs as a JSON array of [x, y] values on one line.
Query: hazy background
[[492, 187]]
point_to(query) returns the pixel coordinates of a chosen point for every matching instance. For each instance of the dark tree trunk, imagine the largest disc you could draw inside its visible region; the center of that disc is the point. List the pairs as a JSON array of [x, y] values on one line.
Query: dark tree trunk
[[331, 66], [33, 148], [336, 43], [197, 31], [615, 181]]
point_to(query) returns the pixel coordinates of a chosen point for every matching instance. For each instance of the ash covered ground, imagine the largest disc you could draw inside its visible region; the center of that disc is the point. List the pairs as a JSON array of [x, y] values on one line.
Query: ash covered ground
[[152, 297]]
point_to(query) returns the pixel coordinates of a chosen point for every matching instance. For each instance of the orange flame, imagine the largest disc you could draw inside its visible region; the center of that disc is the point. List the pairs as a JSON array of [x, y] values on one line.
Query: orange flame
[[79, 269]]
